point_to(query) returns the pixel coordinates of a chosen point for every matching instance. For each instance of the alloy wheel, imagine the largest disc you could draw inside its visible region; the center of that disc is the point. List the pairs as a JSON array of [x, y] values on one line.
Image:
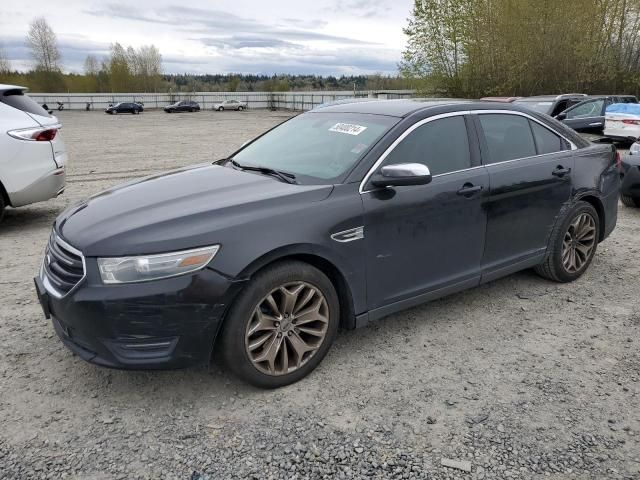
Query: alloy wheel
[[579, 243], [287, 328]]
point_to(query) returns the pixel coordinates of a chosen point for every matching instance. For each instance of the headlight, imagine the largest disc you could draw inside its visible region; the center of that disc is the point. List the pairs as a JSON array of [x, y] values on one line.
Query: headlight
[[635, 149], [154, 267]]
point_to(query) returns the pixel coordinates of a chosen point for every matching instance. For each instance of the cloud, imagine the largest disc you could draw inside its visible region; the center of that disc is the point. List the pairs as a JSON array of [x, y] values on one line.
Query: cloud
[[218, 21], [323, 37], [364, 8]]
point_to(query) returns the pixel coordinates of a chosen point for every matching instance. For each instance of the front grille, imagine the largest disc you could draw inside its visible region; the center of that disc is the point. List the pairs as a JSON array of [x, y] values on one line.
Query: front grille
[[63, 265]]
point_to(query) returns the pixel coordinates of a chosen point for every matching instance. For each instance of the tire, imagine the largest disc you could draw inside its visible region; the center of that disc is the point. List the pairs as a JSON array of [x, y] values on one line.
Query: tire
[[578, 226], [236, 337], [629, 201], [240, 109], [2, 205]]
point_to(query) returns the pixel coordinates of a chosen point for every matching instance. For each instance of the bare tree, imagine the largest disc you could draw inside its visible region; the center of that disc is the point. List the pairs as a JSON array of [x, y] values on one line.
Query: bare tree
[[5, 64], [43, 43], [91, 66]]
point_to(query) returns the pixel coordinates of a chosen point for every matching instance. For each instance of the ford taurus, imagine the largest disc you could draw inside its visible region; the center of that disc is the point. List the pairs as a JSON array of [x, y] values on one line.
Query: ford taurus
[[332, 219]]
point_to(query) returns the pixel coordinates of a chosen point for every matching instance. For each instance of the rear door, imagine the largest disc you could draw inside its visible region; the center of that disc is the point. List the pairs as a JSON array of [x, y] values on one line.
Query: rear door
[[530, 169]]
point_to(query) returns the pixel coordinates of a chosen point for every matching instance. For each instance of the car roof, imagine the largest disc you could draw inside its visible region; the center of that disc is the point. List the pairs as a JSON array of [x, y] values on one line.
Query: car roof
[[551, 98], [5, 87], [406, 107]]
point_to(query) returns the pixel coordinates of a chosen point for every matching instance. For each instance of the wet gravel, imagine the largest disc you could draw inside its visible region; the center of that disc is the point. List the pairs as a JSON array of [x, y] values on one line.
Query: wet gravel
[[520, 378]]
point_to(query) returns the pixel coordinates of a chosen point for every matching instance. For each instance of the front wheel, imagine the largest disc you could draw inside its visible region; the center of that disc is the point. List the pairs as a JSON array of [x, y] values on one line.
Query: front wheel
[[573, 244], [281, 326], [629, 201], [220, 109], [240, 109], [2, 206]]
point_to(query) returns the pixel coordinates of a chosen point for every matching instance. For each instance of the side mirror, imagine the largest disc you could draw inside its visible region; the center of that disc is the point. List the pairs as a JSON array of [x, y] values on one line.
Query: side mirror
[[402, 174], [561, 116]]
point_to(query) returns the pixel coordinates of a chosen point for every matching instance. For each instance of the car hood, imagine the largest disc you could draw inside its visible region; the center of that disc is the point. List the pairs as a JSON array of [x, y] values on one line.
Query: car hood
[[177, 210]]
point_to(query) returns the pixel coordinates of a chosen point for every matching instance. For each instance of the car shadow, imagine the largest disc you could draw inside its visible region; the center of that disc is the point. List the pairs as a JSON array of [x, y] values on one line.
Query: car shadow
[[27, 219]]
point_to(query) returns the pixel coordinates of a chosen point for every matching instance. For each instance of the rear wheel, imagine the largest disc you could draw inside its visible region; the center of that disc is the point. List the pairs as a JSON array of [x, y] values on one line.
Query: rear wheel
[[2, 205], [281, 326], [573, 244], [629, 201]]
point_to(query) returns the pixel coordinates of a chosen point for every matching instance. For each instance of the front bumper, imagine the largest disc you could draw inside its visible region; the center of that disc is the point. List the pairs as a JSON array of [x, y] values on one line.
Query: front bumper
[[163, 324]]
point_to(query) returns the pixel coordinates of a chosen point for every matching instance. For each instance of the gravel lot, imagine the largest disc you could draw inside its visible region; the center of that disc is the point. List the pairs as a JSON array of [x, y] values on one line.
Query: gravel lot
[[521, 378]]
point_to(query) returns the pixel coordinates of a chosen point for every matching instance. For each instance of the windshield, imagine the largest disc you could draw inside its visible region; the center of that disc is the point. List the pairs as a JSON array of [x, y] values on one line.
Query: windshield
[[317, 147], [537, 105]]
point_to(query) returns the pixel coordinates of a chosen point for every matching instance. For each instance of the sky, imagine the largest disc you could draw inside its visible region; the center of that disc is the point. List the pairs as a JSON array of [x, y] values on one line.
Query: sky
[[323, 37]]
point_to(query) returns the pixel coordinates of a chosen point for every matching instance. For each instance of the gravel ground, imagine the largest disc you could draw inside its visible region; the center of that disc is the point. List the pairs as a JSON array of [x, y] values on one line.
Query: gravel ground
[[520, 378]]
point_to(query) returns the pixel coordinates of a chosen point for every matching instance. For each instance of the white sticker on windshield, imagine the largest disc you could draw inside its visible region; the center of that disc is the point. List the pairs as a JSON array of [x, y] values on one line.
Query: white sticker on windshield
[[348, 128]]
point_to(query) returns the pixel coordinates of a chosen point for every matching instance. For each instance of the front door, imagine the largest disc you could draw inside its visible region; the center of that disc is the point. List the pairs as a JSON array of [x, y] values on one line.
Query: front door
[[427, 238], [586, 116]]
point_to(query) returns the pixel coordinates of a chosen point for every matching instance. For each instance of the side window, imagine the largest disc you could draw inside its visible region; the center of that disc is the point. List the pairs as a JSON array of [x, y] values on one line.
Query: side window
[[508, 137], [546, 140], [587, 109], [442, 145]]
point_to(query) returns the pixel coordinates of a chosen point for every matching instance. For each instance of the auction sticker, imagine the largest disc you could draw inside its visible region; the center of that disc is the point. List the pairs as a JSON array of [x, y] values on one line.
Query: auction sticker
[[347, 128]]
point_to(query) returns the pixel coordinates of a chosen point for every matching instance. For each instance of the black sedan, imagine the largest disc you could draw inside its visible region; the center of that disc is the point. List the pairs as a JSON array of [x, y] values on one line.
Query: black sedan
[[335, 218], [183, 106], [124, 107]]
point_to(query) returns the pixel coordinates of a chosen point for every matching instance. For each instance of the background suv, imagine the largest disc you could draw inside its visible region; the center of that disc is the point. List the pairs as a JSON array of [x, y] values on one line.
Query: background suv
[[588, 115], [32, 154], [551, 104]]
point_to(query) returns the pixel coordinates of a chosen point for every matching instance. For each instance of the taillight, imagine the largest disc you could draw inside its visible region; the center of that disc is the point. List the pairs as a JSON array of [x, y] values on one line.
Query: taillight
[[38, 134], [618, 161], [631, 122]]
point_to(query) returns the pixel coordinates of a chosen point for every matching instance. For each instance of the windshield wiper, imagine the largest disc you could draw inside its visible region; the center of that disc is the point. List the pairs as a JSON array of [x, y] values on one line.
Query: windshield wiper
[[284, 176]]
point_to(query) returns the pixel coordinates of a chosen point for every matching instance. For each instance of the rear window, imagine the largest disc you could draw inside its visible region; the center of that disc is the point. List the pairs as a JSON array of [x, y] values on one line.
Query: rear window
[[17, 99]]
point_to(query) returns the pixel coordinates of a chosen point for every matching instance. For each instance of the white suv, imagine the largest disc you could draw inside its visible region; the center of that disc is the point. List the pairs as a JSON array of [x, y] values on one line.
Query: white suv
[[32, 154]]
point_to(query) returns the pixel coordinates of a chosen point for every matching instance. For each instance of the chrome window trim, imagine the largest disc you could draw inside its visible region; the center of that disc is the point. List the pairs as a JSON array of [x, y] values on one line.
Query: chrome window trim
[[45, 280], [404, 135], [413, 127]]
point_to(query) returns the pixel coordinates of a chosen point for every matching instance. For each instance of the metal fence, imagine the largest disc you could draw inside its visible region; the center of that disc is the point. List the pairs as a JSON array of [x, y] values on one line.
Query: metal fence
[[256, 100]]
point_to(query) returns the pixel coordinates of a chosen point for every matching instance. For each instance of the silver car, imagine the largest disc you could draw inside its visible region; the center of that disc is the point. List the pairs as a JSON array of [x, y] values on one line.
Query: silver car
[[32, 154], [230, 105]]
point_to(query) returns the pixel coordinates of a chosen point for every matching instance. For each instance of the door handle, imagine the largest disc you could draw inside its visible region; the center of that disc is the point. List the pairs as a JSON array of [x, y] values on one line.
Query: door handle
[[468, 190], [561, 171]]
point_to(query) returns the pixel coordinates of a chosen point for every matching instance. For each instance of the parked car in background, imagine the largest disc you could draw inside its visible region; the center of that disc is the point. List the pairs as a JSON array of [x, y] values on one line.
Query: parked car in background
[[325, 227], [230, 105], [588, 115], [124, 107], [32, 154], [550, 104], [183, 106], [500, 99], [630, 188], [622, 122]]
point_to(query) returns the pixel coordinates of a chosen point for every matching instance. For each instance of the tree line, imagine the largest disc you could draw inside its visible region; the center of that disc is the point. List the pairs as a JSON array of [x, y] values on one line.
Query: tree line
[[140, 70], [473, 48], [130, 69]]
